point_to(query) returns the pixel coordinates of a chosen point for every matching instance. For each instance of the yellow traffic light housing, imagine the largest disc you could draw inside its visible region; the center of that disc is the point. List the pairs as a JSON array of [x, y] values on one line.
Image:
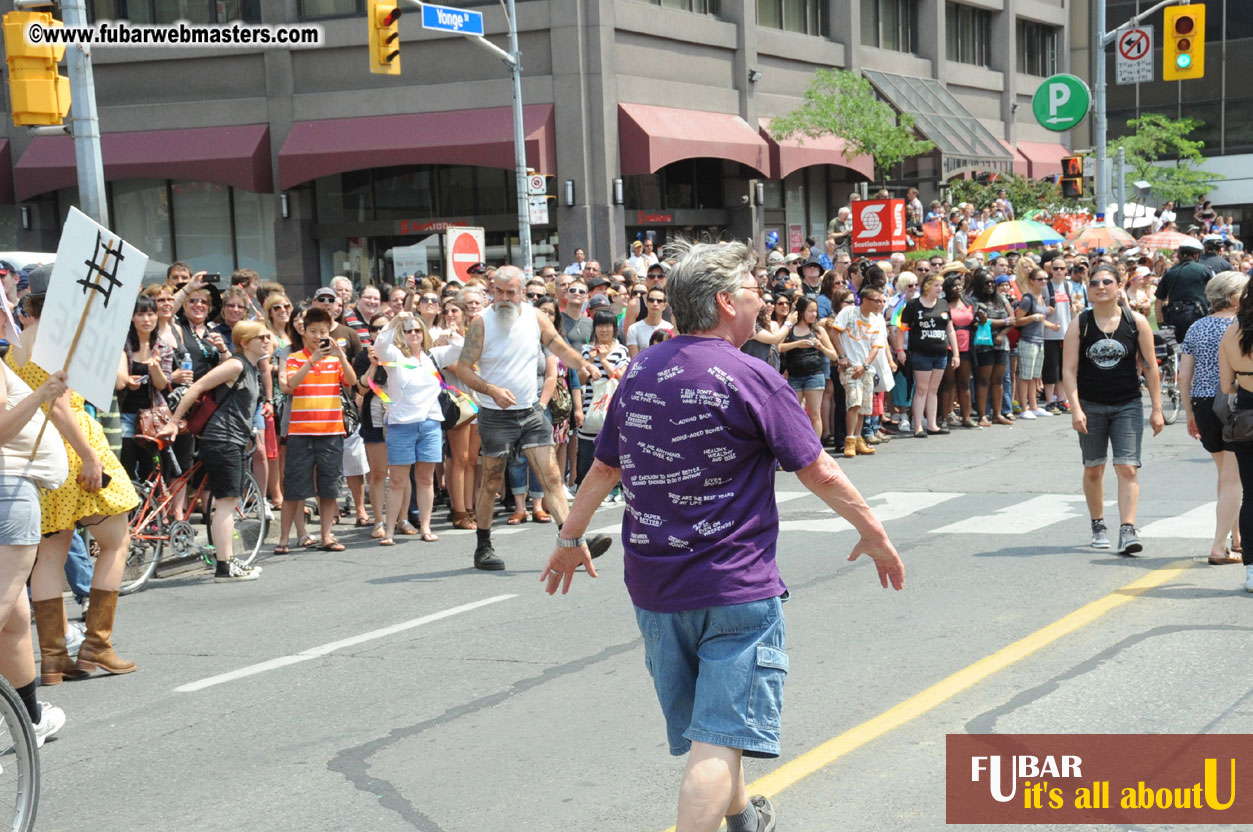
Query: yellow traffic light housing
[[384, 18], [1183, 56], [38, 93]]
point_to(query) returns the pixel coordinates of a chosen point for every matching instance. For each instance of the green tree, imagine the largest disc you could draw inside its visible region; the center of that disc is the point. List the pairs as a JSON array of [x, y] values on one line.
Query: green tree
[[841, 103], [1024, 194], [1154, 137]]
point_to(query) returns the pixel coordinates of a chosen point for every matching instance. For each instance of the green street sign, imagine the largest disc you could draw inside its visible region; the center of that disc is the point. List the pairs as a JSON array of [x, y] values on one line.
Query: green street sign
[[1061, 102]]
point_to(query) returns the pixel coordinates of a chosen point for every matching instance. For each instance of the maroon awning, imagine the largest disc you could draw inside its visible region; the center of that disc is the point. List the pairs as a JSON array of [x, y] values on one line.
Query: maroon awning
[[482, 137], [650, 138], [1045, 158], [6, 173], [235, 156], [790, 155]]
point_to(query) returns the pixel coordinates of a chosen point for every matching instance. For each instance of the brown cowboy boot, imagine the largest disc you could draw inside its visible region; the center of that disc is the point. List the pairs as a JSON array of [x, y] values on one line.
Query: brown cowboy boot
[[54, 663], [97, 651]]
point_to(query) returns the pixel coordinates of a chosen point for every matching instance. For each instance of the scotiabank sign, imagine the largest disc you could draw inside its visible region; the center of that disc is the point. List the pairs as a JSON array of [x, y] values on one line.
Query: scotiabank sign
[[878, 226]]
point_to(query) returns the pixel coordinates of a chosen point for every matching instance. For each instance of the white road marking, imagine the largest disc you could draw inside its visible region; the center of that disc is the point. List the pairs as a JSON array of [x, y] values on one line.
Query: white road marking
[[497, 531], [1020, 518], [890, 505], [1198, 523], [325, 649]]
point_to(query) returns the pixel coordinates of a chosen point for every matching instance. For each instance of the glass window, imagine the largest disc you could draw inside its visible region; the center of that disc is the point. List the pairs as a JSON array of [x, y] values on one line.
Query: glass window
[[456, 191], [141, 215], [495, 189], [890, 24], [313, 9], [770, 13], [1037, 48], [698, 6], [808, 17], [202, 226], [403, 193], [254, 232], [969, 33], [193, 11], [168, 11]]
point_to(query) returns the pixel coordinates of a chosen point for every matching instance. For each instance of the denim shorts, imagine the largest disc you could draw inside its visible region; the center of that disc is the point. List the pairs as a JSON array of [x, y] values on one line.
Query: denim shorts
[[258, 418], [922, 363], [816, 381], [503, 431], [20, 514], [1030, 359], [129, 422], [719, 674], [415, 442], [1120, 426]]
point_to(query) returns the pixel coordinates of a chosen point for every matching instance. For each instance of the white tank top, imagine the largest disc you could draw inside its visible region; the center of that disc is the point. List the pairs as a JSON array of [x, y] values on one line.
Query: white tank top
[[508, 357]]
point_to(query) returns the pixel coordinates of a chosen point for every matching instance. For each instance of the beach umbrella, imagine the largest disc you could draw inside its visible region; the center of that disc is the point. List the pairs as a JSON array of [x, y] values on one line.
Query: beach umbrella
[[1100, 238], [1164, 239], [1015, 234]]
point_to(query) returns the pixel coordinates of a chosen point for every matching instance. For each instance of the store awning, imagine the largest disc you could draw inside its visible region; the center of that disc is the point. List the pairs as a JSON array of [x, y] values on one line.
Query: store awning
[[963, 143], [652, 137], [1045, 158], [6, 173], [482, 137], [1021, 166], [235, 156], [789, 155]]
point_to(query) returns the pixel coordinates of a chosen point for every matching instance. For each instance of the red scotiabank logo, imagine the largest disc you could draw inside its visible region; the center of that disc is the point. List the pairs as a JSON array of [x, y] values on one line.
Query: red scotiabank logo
[[1100, 778], [878, 226]]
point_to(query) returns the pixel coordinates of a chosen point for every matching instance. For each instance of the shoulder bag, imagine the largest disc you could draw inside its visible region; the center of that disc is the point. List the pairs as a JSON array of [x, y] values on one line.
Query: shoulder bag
[[1237, 424], [207, 404]]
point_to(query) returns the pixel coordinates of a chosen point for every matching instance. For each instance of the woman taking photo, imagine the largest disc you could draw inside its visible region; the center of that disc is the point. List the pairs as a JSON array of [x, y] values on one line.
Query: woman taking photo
[[1198, 374], [224, 445], [370, 376], [97, 494], [990, 308], [276, 312], [803, 348], [463, 440], [143, 374], [414, 421], [956, 381], [932, 340]]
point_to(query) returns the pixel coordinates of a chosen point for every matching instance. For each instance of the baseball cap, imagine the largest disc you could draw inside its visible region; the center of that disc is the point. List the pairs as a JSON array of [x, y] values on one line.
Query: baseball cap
[[596, 283], [1142, 271], [794, 257], [1003, 278], [325, 293], [637, 244], [780, 269], [775, 257], [597, 301], [1190, 245], [39, 278]]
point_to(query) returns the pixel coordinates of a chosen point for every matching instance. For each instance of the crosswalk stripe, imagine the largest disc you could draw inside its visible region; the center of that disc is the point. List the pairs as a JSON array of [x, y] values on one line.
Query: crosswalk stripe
[[889, 505], [1020, 518], [1199, 522]]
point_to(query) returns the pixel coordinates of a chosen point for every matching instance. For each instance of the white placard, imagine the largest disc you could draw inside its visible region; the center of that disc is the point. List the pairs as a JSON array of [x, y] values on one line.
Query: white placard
[[11, 330], [1133, 56], [407, 260], [99, 272], [539, 210]]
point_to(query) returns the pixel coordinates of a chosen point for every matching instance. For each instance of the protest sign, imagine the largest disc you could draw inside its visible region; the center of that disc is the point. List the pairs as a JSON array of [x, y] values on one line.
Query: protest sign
[[11, 331], [88, 308]]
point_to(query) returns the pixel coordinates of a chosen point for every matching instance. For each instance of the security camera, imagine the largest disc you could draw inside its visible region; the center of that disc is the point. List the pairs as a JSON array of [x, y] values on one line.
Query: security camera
[[744, 199]]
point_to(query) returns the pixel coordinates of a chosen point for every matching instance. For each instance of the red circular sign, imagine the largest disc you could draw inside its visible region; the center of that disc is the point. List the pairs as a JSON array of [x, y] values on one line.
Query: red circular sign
[[1134, 44], [465, 253]]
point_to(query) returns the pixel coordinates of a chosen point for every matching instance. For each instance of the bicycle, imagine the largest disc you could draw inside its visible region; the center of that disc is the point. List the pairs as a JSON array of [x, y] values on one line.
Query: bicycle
[[153, 527], [19, 763], [1167, 350]]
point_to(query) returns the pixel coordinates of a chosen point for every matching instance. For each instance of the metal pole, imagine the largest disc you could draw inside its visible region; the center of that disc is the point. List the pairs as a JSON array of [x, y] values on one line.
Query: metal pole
[[84, 124], [1120, 187], [519, 145], [1102, 182]]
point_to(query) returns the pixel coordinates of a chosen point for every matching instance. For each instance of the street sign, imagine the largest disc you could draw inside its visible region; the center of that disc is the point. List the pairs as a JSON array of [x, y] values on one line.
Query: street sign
[[538, 209], [445, 19], [1061, 102], [465, 247], [1133, 62], [536, 184]]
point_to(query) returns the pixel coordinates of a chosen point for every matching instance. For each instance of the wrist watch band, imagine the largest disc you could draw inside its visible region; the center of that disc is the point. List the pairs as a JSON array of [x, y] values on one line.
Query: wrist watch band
[[570, 543]]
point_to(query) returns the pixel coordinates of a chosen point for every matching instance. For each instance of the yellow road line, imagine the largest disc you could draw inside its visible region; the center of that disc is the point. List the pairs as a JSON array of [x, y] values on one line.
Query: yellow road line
[[792, 772]]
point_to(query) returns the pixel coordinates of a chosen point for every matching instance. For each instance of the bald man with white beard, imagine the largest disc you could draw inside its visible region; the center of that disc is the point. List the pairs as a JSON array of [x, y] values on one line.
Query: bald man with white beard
[[505, 343]]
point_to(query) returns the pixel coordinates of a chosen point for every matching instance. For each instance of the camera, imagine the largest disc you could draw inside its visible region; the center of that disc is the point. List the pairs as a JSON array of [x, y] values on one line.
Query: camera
[[325, 343], [214, 278]]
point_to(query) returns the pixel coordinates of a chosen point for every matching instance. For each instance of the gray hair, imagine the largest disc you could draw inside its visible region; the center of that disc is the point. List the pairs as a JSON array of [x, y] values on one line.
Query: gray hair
[[1222, 286], [508, 274], [702, 271]]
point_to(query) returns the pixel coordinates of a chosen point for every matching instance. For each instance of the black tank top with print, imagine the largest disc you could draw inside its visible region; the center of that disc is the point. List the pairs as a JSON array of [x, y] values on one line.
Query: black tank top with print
[[1107, 371]]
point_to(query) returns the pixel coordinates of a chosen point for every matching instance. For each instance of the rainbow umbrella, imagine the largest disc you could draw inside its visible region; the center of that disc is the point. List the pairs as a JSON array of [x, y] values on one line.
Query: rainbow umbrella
[[1015, 234], [1100, 238], [1164, 239]]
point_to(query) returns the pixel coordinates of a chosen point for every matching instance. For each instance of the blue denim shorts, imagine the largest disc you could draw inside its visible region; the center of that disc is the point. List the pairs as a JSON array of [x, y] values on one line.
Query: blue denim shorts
[[719, 674], [921, 363], [816, 381], [20, 514], [1117, 426], [415, 442], [129, 422]]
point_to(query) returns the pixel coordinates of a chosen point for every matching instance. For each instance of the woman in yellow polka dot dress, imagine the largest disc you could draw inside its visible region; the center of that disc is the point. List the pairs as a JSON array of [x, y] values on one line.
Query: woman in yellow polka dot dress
[[82, 499]]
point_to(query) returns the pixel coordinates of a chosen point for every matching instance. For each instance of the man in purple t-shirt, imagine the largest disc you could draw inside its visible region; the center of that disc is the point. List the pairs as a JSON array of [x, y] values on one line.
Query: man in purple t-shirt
[[693, 434]]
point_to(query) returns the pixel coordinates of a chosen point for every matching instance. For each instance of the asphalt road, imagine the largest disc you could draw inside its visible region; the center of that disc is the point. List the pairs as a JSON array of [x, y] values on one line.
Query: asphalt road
[[397, 689]]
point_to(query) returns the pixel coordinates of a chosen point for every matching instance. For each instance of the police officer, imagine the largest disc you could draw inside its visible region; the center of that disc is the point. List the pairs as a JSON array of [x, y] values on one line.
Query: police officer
[[1213, 257], [1181, 294]]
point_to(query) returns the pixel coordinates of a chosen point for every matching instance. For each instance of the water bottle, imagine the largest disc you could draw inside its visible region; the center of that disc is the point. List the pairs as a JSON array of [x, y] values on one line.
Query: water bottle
[[185, 364]]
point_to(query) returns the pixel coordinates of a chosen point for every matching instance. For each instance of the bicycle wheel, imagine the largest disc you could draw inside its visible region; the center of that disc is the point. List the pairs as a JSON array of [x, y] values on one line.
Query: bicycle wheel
[[251, 523], [19, 777], [1172, 400], [148, 536]]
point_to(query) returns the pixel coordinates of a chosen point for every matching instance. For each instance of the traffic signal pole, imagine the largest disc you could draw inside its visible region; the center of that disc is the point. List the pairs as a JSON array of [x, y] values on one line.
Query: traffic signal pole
[[84, 121]]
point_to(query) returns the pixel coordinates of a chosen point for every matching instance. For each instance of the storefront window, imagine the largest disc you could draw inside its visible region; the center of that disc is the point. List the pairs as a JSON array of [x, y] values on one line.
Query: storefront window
[[141, 215], [401, 193], [456, 191], [254, 232], [312, 9], [202, 228], [169, 11]]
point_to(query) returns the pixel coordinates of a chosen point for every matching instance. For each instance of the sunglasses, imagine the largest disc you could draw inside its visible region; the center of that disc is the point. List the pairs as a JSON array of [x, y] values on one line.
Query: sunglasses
[[197, 302], [655, 275], [409, 329], [656, 300], [281, 306], [429, 299], [1059, 268], [376, 329], [1106, 281], [576, 291], [782, 303], [1039, 280], [533, 296]]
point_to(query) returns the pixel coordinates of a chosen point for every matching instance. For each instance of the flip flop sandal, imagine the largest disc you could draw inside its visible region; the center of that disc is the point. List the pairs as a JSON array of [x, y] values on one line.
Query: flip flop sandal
[[408, 530], [308, 541], [282, 550], [1226, 560], [428, 537], [362, 523], [333, 546], [387, 541], [379, 531]]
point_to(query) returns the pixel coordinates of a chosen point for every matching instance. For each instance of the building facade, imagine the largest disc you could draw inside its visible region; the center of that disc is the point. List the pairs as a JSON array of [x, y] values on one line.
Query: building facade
[[651, 115]]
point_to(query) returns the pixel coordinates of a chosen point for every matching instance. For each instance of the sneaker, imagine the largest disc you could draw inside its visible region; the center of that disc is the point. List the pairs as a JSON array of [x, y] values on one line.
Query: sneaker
[[51, 720], [266, 511], [1128, 543], [235, 572], [598, 544], [74, 638], [1026, 414], [1100, 535], [765, 813], [1017, 407], [608, 501], [569, 492], [618, 498], [1248, 579], [905, 426], [485, 558], [1039, 411]]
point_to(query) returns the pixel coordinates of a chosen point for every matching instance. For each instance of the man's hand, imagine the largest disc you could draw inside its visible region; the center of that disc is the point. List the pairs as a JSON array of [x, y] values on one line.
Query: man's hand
[[504, 398], [1157, 421], [562, 565], [858, 371], [323, 350], [886, 560], [1078, 419], [591, 371]]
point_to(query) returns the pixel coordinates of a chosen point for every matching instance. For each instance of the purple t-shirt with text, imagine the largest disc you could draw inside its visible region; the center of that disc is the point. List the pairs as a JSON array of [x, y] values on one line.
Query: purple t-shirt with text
[[696, 427]]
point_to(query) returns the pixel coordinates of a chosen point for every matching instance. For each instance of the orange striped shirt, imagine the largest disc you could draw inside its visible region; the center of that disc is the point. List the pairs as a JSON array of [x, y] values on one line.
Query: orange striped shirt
[[316, 408]]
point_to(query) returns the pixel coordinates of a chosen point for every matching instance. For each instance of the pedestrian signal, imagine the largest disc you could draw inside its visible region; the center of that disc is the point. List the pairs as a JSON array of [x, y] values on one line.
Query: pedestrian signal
[[1072, 177], [384, 16], [1183, 56], [38, 92]]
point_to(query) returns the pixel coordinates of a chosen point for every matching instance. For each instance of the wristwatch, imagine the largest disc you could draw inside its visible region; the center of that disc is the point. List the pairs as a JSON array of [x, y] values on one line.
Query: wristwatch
[[568, 543]]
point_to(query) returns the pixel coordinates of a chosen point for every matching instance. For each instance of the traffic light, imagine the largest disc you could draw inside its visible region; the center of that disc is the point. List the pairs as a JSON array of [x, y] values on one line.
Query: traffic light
[[1072, 177], [38, 93], [1184, 39], [384, 36]]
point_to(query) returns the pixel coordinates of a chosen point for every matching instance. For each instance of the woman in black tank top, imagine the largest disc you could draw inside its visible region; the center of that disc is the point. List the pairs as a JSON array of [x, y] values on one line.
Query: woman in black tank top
[[1235, 375], [1099, 369]]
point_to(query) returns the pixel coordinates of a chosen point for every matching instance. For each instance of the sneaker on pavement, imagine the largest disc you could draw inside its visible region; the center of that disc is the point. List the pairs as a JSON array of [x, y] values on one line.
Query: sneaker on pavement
[[235, 572], [1248, 579], [485, 558], [904, 428], [1100, 535], [1128, 542], [1039, 411], [74, 638], [51, 720], [1026, 414], [569, 493], [765, 813]]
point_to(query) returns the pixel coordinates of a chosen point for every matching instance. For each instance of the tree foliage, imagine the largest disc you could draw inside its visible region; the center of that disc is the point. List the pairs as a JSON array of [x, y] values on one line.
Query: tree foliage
[[1024, 194], [1155, 137], [841, 103]]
